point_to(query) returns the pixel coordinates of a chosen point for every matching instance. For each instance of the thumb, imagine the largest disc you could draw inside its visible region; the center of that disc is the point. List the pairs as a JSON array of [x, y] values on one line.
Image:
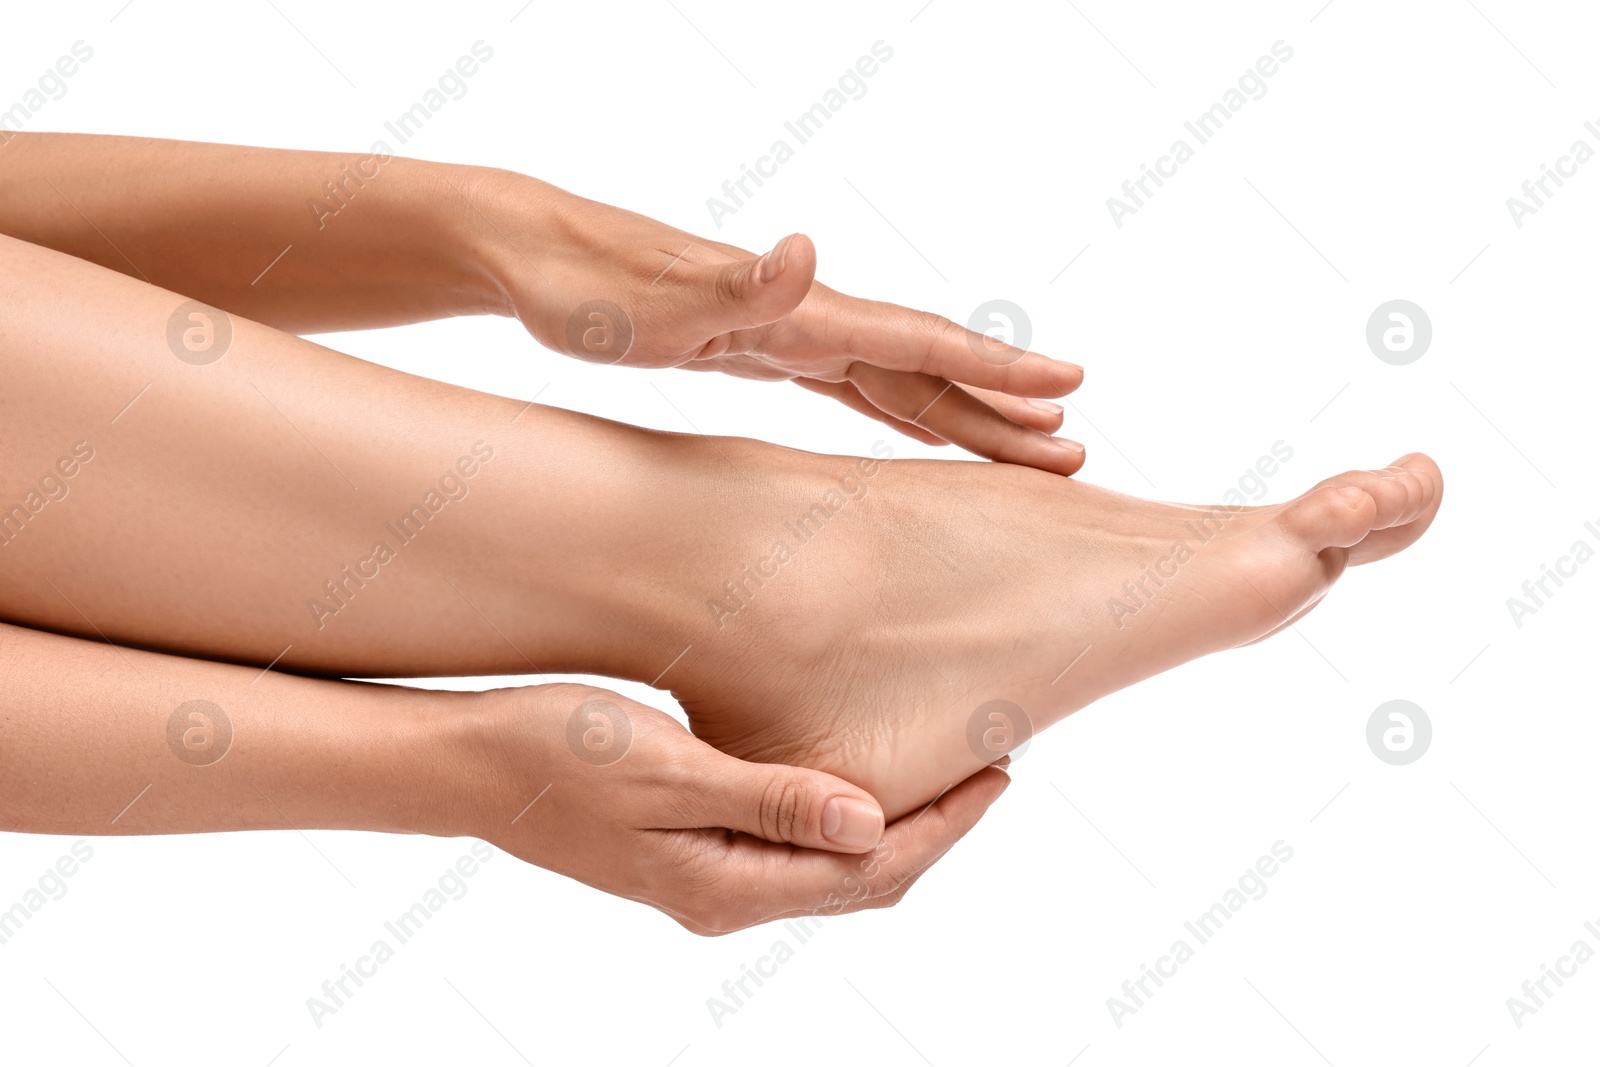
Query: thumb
[[754, 292], [790, 805]]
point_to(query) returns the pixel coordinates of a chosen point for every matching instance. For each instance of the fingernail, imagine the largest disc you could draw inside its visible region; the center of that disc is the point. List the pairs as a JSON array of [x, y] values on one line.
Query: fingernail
[[1046, 407], [772, 262], [1067, 445], [1003, 762], [850, 823]]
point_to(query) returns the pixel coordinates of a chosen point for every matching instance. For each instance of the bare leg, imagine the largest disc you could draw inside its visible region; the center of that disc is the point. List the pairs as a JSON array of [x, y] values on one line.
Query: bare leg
[[853, 616], [234, 509]]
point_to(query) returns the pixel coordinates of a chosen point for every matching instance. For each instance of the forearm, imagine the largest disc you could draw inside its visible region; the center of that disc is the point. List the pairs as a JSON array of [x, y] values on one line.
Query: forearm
[[100, 740], [305, 241]]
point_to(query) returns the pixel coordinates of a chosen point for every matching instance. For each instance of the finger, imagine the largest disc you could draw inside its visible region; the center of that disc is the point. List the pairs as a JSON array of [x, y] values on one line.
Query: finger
[[898, 338], [962, 419], [921, 839], [750, 291], [738, 365], [885, 895], [782, 804], [759, 881], [1040, 415], [848, 395]]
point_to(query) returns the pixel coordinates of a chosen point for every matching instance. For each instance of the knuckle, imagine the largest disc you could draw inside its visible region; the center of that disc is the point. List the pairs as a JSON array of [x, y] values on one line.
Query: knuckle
[[891, 898], [703, 893], [728, 285], [889, 892], [932, 324], [678, 875], [782, 809], [940, 332], [680, 781], [701, 918], [717, 915], [702, 926], [690, 900], [688, 924]]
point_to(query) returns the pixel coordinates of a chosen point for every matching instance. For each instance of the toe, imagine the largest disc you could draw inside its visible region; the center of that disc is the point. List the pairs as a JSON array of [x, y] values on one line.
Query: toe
[[1424, 484], [1401, 501], [1330, 516], [1398, 492]]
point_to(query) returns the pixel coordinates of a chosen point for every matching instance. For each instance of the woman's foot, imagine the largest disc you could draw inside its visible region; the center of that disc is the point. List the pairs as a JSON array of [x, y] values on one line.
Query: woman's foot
[[889, 627]]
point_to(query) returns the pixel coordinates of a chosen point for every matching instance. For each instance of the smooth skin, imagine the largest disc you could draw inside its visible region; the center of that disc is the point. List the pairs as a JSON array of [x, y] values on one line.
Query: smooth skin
[[312, 242], [652, 822], [226, 499], [433, 241], [922, 591]]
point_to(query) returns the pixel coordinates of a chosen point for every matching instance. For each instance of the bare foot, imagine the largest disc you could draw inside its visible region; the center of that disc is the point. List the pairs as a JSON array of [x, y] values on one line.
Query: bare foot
[[919, 630]]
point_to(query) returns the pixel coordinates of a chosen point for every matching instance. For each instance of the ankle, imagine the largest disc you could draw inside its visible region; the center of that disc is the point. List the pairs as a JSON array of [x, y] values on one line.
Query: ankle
[[722, 552], [635, 532]]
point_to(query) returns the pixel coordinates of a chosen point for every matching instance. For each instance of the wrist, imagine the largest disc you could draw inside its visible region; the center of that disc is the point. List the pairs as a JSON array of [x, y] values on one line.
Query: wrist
[[502, 223], [456, 216], [446, 783], [483, 759]]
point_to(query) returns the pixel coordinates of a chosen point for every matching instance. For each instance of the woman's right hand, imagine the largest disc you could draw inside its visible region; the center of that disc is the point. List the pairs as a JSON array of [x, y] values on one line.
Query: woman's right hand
[[618, 795], [608, 285]]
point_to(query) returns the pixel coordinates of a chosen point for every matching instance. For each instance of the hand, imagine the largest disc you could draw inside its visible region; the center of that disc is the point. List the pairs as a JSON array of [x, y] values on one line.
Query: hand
[[609, 286], [628, 801]]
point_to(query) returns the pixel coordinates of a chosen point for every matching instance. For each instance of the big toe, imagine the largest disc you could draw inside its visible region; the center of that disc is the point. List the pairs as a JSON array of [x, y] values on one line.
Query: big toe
[[1373, 514]]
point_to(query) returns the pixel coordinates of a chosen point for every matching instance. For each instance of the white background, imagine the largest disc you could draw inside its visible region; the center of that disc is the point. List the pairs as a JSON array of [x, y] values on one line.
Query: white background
[[1226, 315]]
